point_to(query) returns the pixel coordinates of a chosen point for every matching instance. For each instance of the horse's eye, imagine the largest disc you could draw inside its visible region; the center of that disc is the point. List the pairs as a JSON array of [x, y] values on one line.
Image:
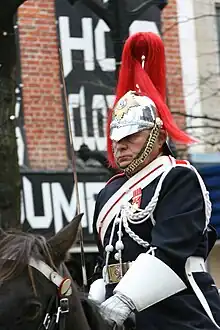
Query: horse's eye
[[32, 310]]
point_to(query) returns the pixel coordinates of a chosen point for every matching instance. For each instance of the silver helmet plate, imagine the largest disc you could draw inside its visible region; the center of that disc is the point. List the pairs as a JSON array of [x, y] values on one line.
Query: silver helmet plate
[[133, 113]]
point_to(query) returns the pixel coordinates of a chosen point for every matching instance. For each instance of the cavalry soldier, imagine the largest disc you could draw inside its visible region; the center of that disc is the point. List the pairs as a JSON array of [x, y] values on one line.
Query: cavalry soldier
[[151, 221]]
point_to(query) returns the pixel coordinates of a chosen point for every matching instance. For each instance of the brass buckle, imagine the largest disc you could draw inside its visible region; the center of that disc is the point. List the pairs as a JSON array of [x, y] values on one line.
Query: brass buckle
[[114, 272]]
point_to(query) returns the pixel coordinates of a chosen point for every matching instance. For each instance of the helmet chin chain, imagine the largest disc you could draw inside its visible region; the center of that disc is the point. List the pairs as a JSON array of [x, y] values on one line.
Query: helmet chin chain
[[146, 150]]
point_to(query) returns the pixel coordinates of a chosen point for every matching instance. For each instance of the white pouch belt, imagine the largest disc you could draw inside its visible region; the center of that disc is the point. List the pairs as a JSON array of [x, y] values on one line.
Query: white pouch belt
[[193, 265]]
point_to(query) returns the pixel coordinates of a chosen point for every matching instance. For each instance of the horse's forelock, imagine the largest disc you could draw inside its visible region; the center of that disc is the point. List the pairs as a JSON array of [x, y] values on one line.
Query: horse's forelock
[[16, 249]]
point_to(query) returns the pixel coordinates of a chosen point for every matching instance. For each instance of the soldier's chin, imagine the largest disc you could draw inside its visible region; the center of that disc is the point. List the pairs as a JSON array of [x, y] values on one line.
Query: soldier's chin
[[123, 163]]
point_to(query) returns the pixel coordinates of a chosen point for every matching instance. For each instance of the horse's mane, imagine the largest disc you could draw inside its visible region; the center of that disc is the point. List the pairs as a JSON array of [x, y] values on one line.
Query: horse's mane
[[19, 247]]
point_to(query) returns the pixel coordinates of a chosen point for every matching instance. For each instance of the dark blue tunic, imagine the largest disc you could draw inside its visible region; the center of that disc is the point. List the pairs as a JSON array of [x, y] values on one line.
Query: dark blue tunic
[[180, 232]]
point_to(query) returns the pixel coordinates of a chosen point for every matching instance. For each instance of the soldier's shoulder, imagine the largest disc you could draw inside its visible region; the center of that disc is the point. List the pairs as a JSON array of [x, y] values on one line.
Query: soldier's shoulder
[[111, 186], [183, 173], [116, 178]]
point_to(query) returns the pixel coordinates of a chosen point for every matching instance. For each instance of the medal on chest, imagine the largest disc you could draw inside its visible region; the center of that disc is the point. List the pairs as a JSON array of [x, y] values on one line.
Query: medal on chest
[[136, 199]]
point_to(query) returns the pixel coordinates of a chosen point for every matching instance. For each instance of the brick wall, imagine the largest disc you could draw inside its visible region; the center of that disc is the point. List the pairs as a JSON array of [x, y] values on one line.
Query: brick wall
[[173, 62], [42, 102]]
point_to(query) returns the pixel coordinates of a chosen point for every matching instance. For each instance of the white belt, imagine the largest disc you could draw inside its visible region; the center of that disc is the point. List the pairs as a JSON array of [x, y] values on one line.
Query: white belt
[[107, 274]]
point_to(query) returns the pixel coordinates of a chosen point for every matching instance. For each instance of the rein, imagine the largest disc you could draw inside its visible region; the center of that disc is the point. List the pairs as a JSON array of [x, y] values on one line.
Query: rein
[[56, 314]]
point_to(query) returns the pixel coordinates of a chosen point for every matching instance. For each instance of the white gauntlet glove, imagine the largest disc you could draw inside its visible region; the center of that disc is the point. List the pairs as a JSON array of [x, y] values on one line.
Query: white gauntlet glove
[[117, 309]]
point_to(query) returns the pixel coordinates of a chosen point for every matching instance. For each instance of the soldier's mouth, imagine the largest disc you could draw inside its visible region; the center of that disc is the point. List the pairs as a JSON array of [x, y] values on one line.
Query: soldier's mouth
[[124, 158]]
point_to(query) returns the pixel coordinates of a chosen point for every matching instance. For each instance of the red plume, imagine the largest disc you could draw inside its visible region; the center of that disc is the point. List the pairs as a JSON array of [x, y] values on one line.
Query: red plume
[[151, 80]]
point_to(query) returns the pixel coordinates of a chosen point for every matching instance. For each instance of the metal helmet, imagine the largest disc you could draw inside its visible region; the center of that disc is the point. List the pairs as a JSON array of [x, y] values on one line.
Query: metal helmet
[[134, 113]]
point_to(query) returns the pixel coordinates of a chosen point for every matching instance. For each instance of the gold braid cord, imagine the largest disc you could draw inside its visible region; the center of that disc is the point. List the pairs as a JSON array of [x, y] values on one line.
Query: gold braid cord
[[147, 149]]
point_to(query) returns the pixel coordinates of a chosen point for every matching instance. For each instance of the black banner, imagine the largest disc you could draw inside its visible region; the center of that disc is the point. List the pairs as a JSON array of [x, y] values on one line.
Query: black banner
[[49, 201], [89, 66]]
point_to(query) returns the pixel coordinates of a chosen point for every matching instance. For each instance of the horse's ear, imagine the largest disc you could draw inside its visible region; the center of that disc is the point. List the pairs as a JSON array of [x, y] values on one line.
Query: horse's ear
[[64, 239]]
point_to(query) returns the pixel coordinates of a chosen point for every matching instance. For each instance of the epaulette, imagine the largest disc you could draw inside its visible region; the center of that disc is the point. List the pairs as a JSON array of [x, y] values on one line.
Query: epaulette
[[181, 162], [115, 177]]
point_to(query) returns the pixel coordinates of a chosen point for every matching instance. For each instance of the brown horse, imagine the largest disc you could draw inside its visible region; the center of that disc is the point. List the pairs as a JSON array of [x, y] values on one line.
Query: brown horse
[[36, 291]]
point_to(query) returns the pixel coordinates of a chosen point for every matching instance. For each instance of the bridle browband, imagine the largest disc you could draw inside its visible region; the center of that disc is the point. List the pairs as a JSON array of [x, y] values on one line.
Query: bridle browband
[[58, 307]]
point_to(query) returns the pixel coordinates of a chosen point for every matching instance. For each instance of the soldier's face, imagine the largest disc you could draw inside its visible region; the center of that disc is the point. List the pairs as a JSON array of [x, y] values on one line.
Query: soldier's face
[[129, 147]]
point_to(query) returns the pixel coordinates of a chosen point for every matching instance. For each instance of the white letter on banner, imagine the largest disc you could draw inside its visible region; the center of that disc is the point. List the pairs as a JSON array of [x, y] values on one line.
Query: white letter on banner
[[106, 64], [92, 188], [62, 206], [143, 26], [68, 44]]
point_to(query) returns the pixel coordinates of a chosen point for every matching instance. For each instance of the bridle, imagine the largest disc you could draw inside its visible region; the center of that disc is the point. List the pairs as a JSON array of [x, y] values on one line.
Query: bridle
[[58, 308], [56, 314]]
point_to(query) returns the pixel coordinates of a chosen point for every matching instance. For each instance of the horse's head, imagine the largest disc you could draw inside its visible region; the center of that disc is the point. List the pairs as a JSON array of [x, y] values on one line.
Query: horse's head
[[33, 282]]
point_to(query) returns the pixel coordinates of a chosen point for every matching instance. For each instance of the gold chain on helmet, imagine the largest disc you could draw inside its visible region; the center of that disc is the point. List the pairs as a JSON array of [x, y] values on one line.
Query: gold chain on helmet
[[130, 169]]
